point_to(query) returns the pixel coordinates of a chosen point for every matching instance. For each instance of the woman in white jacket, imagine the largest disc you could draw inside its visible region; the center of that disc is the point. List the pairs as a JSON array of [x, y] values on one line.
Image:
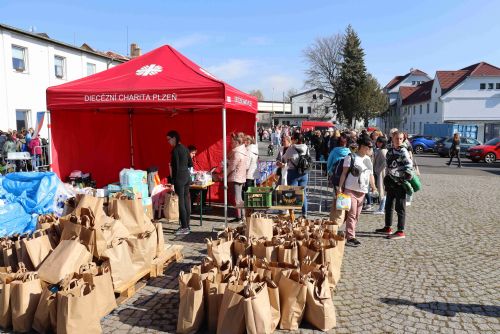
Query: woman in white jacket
[[253, 156]]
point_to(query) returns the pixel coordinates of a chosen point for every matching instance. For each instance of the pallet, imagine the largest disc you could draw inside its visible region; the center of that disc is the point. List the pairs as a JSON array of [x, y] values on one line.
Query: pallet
[[171, 253]]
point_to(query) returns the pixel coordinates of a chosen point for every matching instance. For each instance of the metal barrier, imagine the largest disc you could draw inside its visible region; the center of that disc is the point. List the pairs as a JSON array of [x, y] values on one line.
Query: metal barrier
[[319, 194], [18, 164]]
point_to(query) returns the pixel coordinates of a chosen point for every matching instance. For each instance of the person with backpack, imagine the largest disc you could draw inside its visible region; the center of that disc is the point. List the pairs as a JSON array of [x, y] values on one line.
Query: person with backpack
[[335, 157], [399, 171], [298, 163], [357, 176]]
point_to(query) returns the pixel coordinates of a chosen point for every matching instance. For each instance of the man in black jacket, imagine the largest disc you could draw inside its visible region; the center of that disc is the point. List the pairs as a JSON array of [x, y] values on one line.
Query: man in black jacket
[[180, 163]]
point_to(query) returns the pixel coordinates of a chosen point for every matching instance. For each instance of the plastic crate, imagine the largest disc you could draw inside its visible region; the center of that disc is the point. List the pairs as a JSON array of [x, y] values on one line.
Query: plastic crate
[[289, 195], [258, 197]]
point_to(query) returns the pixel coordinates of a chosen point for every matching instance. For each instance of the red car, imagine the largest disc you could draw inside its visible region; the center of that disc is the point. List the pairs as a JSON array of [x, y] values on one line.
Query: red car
[[489, 152]]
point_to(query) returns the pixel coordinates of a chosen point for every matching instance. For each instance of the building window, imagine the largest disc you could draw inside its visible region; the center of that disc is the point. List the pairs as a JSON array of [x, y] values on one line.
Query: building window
[[413, 83], [19, 58], [314, 96], [326, 110], [435, 107], [321, 96], [22, 119], [490, 85], [482, 86], [301, 110], [414, 110], [308, 110], [428, 107], [420, 109], [420, 127], [59, 66], [497, 85], [90, 68], [435, 90]]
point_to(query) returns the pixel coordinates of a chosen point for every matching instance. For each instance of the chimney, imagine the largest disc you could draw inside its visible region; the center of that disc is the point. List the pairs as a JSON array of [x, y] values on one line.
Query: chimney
[[135, 51]]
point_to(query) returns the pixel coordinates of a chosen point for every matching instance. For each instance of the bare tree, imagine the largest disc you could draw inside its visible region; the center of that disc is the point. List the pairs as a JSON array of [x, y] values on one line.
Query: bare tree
[[291, 92], [324, 58], [257, 93]]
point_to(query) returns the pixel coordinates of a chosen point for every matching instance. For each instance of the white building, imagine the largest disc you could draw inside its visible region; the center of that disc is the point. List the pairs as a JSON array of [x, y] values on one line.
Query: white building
[[470, 96], [30, 63], [270, 112]]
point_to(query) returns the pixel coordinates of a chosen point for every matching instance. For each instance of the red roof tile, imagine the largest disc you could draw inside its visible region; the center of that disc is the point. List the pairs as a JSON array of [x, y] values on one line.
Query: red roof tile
[[418, 72], [420, 94], [397, 79], [483, 69], [405, 91], [449, 79]]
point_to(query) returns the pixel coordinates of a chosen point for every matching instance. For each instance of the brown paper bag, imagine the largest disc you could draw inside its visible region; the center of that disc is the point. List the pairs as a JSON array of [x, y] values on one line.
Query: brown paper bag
[[142, 250], [214, 286], [9, 255], [66, 259], [38, 247], [96, 204], [191, 310], [100, 277], [274, 302], [293, 293], [112, 229], [307, 266], [288, 252], [21, 253], [120, 262], [171, 207], [259, 226], [76, 310], [241, 246], [267, 249], [219, 250], [257, 309], [309, 248], [332, 255], [45, 319], [320, 311], [5, 309], [231, 318], [131, 214], [160, 238], [25, 293]]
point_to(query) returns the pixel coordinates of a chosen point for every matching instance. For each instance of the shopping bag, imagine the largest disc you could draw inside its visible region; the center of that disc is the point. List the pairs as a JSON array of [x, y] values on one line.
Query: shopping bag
[[96, 204], [241, 246], [288, 252], [171, 207], [231, 318], [45, 319], [76, 310], [100, 277], [191, 310], [38, 247], [343, 202], [219, 250], [293, 291], [66, 259], [214, 286], [337, 218], [307, 266], [131, 214], [415, 183], [320, 311], [21, 253], [160, 238], [309, 249], [274, 302], [120, 262], [9, 255], [259, 226], [257, 307], [332, 255], [142, 250], [112, 229], [263, 248], [25, 293], [5, 309]]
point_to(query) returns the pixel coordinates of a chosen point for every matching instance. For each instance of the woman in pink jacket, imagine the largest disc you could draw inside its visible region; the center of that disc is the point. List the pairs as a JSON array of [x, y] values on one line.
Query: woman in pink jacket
[[237, 173], [35, 147]]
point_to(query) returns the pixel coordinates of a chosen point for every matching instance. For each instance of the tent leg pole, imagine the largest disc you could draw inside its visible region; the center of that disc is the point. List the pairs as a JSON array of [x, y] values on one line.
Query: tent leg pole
[[131, 139], [224, 154], [49, 151]]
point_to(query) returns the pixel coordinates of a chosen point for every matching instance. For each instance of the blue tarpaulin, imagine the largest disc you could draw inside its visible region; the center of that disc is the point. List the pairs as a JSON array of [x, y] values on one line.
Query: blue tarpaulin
[[24, 196]]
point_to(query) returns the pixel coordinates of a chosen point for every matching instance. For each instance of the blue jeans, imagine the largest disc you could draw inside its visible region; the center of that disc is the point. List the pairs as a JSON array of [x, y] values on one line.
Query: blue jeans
[[294, 178]]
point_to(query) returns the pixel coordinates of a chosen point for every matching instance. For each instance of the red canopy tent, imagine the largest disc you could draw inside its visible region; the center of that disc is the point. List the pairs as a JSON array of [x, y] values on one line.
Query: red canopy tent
[[118, 118], [311, 125]]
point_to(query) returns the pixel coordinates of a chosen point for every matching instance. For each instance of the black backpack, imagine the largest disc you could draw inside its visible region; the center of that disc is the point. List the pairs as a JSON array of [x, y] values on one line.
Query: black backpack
[[304, 163], [338, 167]]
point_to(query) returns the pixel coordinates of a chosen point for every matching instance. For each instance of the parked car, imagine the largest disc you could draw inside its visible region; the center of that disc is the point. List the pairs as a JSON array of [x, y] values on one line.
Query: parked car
[[443, 147], [423, 144], [489, 152]]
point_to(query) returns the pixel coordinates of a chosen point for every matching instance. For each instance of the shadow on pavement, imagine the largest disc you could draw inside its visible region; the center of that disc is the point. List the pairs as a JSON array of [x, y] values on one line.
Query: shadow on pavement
[[448, 309]]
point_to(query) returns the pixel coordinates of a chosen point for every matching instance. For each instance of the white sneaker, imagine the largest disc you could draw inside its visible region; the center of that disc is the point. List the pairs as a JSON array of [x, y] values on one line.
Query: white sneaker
[[408, 203], [378, 212]]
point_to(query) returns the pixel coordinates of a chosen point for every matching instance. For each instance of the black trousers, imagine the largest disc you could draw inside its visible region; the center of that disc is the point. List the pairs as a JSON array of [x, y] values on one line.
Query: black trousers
[[395, 198], [455, 153], [182, 190]]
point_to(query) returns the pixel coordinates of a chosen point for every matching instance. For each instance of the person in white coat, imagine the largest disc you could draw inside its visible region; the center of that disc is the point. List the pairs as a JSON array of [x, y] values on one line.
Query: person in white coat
[[281, 163], [253, 156]]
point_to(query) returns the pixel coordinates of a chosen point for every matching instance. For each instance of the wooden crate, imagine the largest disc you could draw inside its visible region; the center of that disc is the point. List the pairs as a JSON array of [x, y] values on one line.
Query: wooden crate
[[171, 253]]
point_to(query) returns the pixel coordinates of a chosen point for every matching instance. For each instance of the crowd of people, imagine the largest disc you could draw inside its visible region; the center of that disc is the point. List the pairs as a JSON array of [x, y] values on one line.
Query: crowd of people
[[22, 141]]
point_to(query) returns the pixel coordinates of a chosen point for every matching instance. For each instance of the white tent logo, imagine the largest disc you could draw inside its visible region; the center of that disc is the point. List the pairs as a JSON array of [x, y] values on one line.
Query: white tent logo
[[151, 69]]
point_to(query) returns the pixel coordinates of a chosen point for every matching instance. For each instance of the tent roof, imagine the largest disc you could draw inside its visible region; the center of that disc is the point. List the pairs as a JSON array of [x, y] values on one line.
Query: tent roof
[[317, 123], [160, 79]]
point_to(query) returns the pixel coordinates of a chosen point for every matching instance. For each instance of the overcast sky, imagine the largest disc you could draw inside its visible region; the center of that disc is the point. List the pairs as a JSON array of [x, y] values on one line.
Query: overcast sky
[[259, 44]]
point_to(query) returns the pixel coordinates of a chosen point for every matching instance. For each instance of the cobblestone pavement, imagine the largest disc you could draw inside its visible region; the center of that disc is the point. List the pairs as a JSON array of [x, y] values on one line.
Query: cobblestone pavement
[[443, 278]]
